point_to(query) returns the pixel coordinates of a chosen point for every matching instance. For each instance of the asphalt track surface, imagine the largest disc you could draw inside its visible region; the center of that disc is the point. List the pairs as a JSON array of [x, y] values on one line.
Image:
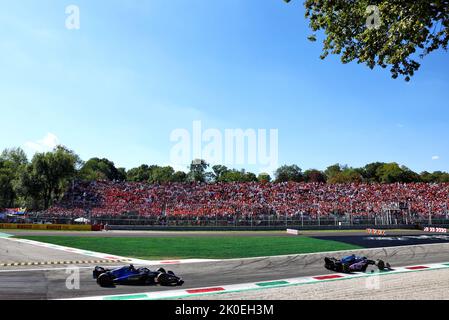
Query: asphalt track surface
[[13, 252], [39, 283], [389, 241]]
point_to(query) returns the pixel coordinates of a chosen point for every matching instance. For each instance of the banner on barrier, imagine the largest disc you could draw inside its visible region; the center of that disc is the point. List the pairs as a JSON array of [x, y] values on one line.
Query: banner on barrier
[[15, 211], [376, 232], [293, 232], [435, 230], [61, 227]]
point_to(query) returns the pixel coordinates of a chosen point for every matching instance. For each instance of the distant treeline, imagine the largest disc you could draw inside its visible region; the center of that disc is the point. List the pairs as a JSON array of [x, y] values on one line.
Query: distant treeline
[[38, 182]]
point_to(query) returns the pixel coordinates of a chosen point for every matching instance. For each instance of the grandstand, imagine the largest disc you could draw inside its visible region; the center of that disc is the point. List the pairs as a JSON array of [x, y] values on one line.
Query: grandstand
[[252, 203]]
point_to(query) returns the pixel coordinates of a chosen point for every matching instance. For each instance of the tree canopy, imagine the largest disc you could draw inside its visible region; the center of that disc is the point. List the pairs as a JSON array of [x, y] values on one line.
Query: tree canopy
[[198, 171], [46, 178], [394, 34], [289, 173], [101, 169], [237, 176], [315, 176], [264, 177], [12, 161]]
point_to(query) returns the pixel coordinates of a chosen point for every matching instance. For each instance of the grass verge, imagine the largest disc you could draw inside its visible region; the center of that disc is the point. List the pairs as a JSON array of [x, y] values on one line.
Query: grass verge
[[197, 247]]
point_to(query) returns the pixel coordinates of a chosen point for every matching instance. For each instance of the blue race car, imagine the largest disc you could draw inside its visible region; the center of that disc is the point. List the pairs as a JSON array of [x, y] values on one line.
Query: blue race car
[[129, 275], [353, 263]]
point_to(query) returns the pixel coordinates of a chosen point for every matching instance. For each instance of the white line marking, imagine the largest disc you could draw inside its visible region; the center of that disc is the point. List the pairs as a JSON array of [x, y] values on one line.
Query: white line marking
[[47, 269]]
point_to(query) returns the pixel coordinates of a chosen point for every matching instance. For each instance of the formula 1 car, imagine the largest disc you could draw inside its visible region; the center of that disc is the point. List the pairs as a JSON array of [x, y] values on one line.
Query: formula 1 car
[[129, 275], [354, 263]]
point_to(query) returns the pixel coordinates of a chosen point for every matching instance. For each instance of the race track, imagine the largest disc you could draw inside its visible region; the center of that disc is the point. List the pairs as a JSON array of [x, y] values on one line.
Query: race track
[[49, 282], [13, 252]]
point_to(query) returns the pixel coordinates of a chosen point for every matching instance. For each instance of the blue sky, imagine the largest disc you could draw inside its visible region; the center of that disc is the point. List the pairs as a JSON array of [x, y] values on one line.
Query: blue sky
[[136, 70]]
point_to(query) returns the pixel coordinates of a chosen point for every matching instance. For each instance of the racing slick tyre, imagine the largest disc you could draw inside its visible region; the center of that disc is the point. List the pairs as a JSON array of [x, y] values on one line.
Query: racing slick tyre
[[98, 271], [329, 264], [164, 279], [161, 270], [346, 268], [167, 280], [105, 280], [381, 265]]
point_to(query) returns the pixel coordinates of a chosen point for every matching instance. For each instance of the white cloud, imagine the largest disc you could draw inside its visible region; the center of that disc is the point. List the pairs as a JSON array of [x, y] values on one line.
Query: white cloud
[[48, 143], [436, 158]]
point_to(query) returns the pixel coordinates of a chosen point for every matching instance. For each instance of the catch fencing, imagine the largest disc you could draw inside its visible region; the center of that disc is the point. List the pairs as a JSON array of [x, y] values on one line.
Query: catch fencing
[[239, 222]]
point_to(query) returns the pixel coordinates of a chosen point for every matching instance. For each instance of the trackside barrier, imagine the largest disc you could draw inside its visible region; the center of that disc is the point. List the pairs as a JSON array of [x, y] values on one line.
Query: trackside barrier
[[376, 232], [435, 230], [97, 227], [293, 232], [64, 227]]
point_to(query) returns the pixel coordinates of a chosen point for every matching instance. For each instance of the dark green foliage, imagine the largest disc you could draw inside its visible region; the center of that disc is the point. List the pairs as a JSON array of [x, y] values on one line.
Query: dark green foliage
[[289, 173], [407, 31]]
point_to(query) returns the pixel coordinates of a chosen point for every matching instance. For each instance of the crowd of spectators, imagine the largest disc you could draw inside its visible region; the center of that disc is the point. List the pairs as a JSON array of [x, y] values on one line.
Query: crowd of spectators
[[226, 200]]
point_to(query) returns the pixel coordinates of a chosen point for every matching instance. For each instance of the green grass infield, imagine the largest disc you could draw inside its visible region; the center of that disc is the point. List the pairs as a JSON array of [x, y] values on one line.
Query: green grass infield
[[197, 247]]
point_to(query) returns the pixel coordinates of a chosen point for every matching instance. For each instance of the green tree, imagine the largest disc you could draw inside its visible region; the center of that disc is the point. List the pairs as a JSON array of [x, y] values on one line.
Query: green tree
[[314, 175], [139, 174], [264, 177], [218, 171], [198, 170], [238, 176], [435, 177], [179, 176], [404, 31], [12, 161], [427, 177], [250, 177], [333, 171], [389, 173], [7, 194], [409, 175], [347, 175], [121, 174], [30, 187], [161, 175], [16, 156], [289, 173], [49, 174], [101, 169], [370, 171], [392, 172], [443, 178]]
